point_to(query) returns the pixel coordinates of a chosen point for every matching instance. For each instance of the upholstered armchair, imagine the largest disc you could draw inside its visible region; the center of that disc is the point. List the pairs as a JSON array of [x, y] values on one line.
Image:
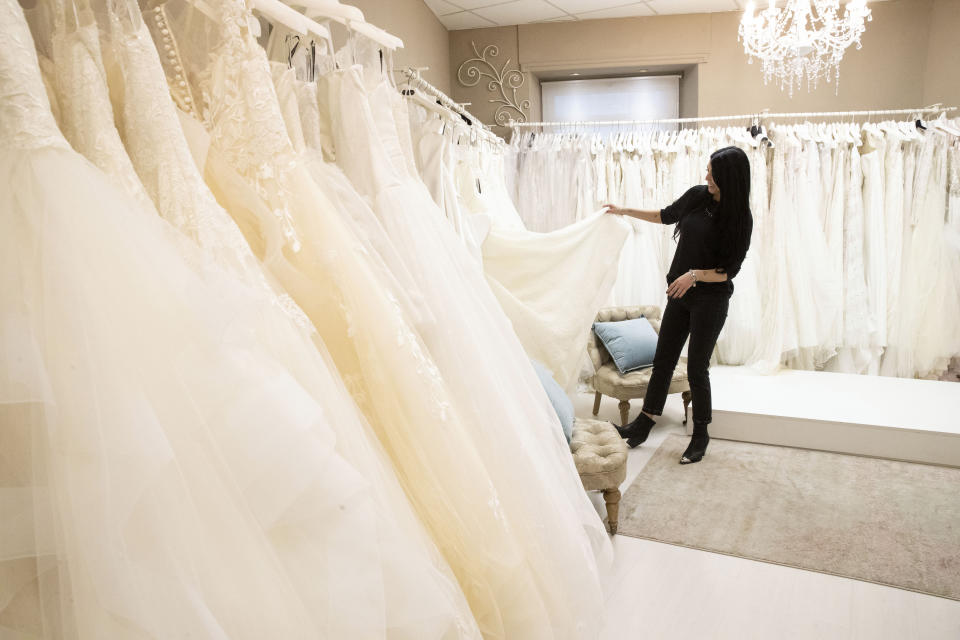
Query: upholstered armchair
[[607, 379]]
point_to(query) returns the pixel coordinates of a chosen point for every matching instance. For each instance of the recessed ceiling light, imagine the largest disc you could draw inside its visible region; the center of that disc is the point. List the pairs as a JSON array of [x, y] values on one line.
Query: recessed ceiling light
[[643, 70], [574, 74]]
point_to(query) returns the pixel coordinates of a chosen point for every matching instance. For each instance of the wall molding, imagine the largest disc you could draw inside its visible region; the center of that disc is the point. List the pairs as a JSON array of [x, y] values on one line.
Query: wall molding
[[645, 61]]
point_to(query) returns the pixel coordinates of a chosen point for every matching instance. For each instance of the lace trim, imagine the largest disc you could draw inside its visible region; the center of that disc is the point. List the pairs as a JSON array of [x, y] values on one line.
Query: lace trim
[[244, 117], [26, 121]]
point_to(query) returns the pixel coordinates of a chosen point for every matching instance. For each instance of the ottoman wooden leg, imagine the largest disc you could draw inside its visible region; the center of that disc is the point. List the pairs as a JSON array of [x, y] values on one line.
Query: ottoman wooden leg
[[686, 404], [612, 498], [624, 412], [596, 402]]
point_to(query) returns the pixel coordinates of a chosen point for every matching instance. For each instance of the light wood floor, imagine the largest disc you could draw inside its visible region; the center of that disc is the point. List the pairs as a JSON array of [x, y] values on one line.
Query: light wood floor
[[663, 591]]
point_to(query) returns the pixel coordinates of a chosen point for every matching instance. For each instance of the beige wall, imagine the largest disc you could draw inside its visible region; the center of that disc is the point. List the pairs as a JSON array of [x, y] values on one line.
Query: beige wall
[[941, 79], [690, 92], [910, 57], [425, 41]]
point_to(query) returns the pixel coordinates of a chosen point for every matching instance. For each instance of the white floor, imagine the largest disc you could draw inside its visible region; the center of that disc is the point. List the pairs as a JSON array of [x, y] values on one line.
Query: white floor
[[663, 591]]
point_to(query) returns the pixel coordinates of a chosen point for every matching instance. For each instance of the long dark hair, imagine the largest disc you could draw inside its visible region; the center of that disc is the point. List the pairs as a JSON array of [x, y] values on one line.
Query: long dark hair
[[731, 171]]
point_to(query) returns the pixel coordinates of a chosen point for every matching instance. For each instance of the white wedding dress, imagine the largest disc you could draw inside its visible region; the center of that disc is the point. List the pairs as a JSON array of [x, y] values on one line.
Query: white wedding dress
[[171, 478], [855, 353], [738, 339], [550, 285], [928, 333], [501, 398], [475, 511], [398, 564]]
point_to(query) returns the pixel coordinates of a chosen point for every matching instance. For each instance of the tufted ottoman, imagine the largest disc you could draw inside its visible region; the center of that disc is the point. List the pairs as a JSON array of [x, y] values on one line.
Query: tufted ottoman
[[601, 458]]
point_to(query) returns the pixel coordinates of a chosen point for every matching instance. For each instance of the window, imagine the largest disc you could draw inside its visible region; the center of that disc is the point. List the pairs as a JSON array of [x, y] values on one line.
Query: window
[[638, 98]]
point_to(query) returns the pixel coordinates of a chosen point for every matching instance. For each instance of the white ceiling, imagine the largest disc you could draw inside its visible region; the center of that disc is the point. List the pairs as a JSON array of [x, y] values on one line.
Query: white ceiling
[[475, 14]]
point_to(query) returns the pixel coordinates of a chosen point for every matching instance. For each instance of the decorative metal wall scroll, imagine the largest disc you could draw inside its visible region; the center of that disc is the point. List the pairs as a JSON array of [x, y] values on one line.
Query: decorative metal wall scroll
[[503, 80]]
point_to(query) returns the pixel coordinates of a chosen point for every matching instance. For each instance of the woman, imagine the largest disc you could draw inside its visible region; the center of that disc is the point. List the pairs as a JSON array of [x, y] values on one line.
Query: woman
[[713, 227]]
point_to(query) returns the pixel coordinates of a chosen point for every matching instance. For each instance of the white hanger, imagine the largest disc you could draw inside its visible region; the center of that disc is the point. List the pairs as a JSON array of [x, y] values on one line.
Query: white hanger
[[280, 13], [330, 9], [351, 17], [941, 124]]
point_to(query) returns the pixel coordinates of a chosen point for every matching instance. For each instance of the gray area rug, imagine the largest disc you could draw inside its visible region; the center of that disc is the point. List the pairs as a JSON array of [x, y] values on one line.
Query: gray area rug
[[893, 523]]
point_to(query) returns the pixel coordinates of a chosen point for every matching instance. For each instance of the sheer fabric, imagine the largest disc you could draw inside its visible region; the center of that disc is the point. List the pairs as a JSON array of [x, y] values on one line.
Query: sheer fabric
[[395, 565], [393, 378], [148, 498], [550, 285], [509, 405]]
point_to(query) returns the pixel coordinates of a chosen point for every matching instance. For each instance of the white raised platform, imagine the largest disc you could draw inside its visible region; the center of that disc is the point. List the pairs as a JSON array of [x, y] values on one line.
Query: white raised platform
[[895, 418]]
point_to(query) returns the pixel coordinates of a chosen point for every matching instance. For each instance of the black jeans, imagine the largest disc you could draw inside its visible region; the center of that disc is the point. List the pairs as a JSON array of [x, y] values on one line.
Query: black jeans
[[700, 314]]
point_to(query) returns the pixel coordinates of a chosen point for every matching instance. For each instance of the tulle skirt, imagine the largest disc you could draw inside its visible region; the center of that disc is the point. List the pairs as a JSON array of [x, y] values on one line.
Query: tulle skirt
[[389, 372], [172, 478], [510, 423], [551, 285]]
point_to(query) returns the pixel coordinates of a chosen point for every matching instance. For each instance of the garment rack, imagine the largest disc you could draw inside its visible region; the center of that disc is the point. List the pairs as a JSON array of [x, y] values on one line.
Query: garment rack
[[513, 124], [414, 76]]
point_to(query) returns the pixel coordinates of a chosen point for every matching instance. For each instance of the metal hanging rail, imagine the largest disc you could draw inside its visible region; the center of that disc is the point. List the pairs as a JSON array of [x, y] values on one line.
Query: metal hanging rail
[[414, 76], [761, 115]]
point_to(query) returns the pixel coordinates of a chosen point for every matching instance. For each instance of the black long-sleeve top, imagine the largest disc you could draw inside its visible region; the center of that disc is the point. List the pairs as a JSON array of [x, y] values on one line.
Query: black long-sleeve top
[[699, 244]]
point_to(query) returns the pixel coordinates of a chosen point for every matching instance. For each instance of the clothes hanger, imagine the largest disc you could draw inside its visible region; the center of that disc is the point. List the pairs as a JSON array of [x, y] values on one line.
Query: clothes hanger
[[279, 13], [291, 50], [943, 124], [350, 17]]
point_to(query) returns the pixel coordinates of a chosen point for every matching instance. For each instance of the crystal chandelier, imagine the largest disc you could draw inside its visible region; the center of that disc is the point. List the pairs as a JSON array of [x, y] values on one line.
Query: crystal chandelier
[[805, 39]]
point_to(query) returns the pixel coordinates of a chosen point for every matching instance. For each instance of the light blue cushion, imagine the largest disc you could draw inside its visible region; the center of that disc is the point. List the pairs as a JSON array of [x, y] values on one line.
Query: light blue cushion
[[558, 398], [631, 343]]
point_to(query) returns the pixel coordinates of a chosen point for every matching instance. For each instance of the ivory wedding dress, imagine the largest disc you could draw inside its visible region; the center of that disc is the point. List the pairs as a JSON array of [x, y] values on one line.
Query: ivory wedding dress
[[171, 478], [469, 506], [86, 116], [397, 564], [501, 399], [550, 285]]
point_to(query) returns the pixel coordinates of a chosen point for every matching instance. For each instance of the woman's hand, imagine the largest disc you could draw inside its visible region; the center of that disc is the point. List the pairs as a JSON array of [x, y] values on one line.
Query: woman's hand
[[614, 209], [680, 286]]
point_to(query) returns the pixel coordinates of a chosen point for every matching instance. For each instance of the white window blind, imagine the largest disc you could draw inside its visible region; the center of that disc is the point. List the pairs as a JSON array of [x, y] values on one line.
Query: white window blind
[[643, 98]]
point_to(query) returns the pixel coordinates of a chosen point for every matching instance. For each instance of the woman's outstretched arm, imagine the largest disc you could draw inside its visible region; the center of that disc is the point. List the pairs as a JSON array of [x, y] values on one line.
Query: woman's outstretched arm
[[639, 214]]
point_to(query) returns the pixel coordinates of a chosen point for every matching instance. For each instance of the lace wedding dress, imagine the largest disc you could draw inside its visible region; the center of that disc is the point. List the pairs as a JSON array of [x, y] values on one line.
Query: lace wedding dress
[[171, 478], [391, 557], [640, 280], [927, 333], [501, 399], [86, 117], [312, 138], [253, 168], [855, 353], [550, 285]]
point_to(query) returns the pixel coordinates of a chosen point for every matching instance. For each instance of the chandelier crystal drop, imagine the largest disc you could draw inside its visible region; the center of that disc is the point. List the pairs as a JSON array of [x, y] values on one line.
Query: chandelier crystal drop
[[804, 40]]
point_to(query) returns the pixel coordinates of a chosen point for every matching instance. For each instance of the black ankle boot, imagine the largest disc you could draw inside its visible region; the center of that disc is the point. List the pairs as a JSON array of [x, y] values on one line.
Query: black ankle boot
[[637, 431], [698, 445]]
